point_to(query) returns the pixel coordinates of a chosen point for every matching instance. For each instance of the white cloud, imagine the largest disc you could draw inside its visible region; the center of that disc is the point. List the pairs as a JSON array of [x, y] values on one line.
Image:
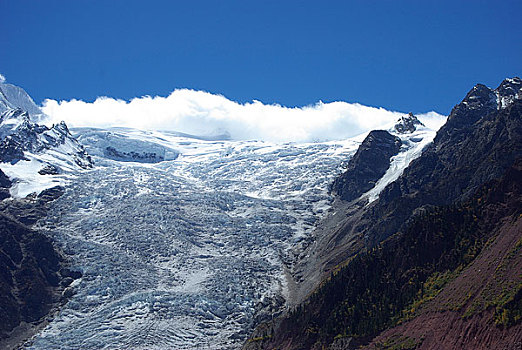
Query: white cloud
[[202, 113], [432, 120], [2, 78]]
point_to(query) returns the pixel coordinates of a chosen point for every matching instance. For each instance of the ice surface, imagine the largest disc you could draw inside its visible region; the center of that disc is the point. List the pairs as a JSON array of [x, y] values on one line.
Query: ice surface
[[117, 145], [181, 254]]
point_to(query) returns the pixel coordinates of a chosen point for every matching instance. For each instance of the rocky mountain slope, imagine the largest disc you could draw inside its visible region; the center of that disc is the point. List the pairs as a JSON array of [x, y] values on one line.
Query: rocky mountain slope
[[34, 277], [381, 158], [428, 205], [478, 304]]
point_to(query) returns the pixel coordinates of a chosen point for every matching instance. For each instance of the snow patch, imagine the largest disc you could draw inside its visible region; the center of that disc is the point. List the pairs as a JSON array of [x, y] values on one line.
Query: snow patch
[[27, 180]]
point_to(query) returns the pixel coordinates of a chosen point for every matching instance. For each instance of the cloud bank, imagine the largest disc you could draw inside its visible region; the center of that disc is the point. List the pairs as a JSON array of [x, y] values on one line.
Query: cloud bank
[[205, 114], [2, 78]]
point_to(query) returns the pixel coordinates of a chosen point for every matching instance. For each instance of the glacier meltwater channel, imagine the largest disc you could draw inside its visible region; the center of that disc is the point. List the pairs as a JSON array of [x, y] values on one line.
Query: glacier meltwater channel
[[182, 253]]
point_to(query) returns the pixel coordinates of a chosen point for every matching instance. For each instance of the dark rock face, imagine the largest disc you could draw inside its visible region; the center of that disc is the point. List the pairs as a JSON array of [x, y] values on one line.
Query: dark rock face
[[368, 165], [33, 274], [29, 275], [5, 184], [32, 208], [477, 144], [407, 124], [470, 250], [25, 137], [49, 169], [145, 157], [11, 150]]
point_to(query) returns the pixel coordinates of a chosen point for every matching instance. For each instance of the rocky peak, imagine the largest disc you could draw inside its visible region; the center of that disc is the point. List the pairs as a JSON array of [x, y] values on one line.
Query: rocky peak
[[57, 134], [407, 124], [509, 90], [62, 128], [479, 100], [478, 103], [29, 150], [17, 121]]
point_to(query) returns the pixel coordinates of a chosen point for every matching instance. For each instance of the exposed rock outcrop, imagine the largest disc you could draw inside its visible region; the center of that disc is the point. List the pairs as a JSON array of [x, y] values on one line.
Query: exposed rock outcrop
[[18, 135], [5, 184], [478, 143], [407, 124], [33, 274], [368, 165]]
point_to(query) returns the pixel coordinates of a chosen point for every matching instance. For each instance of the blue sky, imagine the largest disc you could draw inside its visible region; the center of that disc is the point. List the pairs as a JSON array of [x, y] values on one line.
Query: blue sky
[[401, 55]]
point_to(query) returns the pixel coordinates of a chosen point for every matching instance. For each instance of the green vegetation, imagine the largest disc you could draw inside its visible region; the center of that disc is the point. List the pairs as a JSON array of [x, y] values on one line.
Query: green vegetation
[[508, 311], [258, 339], [429, 290]]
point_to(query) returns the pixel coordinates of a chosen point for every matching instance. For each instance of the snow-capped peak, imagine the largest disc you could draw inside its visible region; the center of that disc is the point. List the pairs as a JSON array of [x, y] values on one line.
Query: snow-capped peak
[[13, 97]]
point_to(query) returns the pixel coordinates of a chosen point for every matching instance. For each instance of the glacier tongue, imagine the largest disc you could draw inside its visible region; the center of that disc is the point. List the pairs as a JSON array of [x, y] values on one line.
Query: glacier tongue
[[185, 253]]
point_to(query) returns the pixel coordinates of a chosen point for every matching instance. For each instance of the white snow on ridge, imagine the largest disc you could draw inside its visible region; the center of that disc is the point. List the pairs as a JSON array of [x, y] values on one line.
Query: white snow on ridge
[[35, 157], [27, 180], [412, 146]]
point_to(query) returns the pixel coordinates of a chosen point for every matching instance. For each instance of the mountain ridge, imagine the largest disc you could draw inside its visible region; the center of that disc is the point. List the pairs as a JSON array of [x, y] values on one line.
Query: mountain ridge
[[479, 143]]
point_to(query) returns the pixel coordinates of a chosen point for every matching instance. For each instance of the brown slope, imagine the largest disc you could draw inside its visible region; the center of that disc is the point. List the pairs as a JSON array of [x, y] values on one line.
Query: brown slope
[[481, 308], [464, 315], [378, 288]]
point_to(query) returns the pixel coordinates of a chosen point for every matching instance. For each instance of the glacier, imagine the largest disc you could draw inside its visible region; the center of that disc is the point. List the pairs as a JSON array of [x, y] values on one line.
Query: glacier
[[188, 252], [183, 242]]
